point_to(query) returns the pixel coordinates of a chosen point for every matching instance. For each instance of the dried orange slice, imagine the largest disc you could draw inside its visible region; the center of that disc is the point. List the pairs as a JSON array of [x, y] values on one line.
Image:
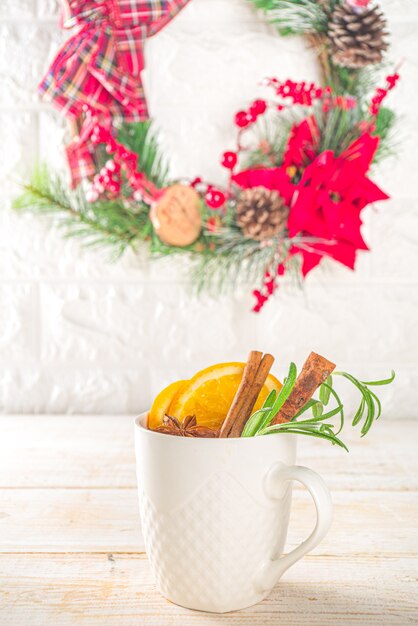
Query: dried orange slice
[[162, 402], [209, 394]]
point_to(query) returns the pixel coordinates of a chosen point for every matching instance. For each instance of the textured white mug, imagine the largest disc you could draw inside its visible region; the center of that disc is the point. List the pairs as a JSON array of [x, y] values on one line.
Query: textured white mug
[[215, 514]]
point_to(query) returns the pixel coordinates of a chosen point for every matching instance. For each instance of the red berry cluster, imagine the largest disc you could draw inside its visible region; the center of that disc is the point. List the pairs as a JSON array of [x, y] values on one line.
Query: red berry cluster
[[346, 103], [109, 180], [246, 118], [268, 288], [381, 93], [299, 92]]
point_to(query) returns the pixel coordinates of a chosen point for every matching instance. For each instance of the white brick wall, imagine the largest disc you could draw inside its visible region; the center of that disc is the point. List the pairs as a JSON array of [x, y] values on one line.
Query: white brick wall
[[81, 335]]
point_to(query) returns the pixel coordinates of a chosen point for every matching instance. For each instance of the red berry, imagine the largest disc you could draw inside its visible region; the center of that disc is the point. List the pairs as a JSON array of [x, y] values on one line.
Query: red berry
[[123, 154], [114, 187], [111, 166], [258, 107], [92, 195], [280, 269], [111, 146], [270, 286], [100, 134], [392, 80], [196, 181], [261, 300], [229, 160], [135, 179], [212, 224], [215, 198], [241, 119]]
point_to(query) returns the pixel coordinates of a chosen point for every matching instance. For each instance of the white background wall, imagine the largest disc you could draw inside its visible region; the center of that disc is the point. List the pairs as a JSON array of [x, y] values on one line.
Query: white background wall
[[80, 335]]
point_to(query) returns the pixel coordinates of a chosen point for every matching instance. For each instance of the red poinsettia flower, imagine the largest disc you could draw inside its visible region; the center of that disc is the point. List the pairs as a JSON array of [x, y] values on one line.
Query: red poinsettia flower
[[274, 178], [303, 142], [359, 4], [328, 202]]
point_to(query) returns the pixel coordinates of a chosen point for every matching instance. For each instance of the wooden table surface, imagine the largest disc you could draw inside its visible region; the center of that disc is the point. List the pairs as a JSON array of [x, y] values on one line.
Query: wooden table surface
[[71, 550]]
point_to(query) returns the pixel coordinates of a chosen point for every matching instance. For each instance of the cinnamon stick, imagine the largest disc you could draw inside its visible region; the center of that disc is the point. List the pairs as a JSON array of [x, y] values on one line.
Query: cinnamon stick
[[250, 371], [315, 371], [252, 395]]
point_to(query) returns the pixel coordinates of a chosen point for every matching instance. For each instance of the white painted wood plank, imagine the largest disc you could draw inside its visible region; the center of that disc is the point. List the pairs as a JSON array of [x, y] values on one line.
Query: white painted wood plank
[[49, 520], [66, 451], [116, 590], [84, 451]]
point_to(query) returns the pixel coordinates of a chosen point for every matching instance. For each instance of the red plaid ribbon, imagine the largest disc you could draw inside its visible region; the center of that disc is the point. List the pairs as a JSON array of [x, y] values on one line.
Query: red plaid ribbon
[[99, 67]]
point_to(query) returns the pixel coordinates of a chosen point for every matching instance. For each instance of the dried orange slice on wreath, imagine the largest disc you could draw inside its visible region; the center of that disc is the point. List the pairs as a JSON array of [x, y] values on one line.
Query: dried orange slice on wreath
[[208, 395]]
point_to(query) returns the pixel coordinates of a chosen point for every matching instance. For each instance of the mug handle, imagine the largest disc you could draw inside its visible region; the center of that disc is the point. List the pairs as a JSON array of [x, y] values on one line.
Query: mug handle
[[271, 571]]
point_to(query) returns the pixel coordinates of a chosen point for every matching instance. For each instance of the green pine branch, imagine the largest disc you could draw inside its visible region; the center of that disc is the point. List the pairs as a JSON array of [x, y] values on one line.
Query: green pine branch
[[115, 224], [295, 17], [234, 261], [142, 139], [102, 224], [311, 18], [271, 135], [385, 123]]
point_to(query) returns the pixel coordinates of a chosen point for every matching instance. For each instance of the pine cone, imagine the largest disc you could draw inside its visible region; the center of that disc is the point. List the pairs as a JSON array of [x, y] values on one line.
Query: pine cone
[[357, 37], [261, 213]]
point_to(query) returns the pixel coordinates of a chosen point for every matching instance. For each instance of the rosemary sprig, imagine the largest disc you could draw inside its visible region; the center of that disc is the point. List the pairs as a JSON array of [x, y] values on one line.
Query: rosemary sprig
[[369, 402], [271, 407], [370, 409], [311, 429]]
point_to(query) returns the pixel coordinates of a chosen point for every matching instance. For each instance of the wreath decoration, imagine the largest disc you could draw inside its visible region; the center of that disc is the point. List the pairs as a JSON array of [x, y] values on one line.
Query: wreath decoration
[[298, 173]]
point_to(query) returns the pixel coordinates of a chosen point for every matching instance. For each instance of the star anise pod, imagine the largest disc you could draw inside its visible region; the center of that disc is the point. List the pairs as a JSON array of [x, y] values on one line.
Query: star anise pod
[[187, 428]]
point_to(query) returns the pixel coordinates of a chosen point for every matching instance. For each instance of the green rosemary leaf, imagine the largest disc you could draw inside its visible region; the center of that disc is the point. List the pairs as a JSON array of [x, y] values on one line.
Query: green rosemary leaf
[[317, 409], [272, 405], [252, 425], [285, 391], [333, 412], [378, 403], [325, 391], [367, 399], [291, 427], [305, 408], [335, 395], [271, 399], [320, 418], [385, 381], [369, 417], [257, 419], [267, 417], [359, 414]]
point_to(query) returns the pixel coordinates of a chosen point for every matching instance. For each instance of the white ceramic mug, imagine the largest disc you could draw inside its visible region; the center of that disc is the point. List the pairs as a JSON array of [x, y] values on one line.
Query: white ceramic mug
[[215, 514]]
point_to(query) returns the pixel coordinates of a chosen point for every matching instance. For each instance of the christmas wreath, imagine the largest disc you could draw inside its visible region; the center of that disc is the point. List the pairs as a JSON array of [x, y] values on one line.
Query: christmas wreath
[[298, 174]]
